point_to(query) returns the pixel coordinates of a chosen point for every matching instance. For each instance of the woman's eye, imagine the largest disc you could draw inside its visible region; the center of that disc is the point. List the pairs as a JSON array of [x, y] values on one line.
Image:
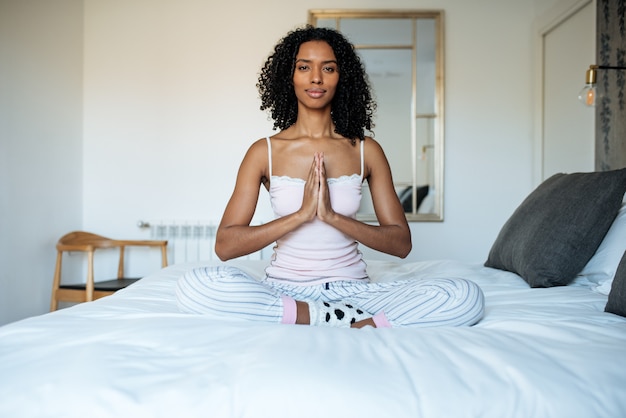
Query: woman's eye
[[329, 69], [303, 67]]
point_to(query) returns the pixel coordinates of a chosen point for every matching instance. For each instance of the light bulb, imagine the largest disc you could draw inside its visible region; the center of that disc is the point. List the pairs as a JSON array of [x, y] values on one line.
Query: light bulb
[[587, 95]]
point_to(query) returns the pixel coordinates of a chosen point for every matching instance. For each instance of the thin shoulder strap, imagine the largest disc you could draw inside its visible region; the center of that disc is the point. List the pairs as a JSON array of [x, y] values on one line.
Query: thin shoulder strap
[[269, 154], [361, 143]]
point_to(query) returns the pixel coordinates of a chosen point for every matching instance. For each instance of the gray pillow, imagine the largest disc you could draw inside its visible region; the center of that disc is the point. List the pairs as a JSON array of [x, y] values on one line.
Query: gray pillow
[[558, 227], [617, 296]]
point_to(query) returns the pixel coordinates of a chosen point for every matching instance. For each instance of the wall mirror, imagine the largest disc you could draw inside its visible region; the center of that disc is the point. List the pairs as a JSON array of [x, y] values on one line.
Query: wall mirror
[[403, 54]]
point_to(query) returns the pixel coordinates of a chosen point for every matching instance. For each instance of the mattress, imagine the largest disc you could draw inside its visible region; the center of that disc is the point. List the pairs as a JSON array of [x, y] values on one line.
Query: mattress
[[545, 352]]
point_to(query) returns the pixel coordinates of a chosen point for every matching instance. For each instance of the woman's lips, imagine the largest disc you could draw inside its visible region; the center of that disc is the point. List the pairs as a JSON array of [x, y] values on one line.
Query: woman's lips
[[315, 93]]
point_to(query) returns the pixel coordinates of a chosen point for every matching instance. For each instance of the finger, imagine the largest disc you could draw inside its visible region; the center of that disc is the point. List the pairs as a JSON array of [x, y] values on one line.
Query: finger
[[324, 207], [321, 166], [311, 190], [313, 170]]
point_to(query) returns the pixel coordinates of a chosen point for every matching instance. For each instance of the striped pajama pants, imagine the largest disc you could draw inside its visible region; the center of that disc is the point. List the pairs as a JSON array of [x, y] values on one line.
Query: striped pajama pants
[[226, 291]]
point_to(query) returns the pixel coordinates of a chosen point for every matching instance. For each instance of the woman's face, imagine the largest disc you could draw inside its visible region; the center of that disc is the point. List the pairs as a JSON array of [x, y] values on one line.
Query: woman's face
[[316, 74]]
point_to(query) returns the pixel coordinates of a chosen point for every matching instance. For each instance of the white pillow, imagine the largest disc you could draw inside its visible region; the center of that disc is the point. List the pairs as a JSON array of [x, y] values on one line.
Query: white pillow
[[602, 266]]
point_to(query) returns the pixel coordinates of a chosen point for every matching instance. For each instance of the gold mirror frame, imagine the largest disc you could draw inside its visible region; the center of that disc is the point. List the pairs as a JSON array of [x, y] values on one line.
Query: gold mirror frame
[[424, 137]]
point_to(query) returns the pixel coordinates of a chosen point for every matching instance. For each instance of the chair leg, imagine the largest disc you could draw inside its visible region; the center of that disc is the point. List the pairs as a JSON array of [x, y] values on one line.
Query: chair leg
[[120, 265], [56, 282], [164, 255], [90, 278]]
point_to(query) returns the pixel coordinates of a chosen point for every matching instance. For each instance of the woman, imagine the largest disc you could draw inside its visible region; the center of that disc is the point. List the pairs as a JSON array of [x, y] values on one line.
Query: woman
[[316, 90]]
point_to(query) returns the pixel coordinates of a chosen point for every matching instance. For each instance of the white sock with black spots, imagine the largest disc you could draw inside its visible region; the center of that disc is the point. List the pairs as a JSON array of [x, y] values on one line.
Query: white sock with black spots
[[335, 314]]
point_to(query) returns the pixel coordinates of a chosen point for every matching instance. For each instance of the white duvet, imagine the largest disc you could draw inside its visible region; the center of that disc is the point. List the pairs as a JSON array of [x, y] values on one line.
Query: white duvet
[[537, 353]]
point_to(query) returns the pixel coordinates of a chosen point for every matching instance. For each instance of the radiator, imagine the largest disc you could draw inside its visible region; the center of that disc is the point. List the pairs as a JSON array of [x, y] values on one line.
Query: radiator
[[192, 240]]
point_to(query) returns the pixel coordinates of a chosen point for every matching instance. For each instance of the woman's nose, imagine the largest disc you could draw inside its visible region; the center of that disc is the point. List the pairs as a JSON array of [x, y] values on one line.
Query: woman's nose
[[316, 77]]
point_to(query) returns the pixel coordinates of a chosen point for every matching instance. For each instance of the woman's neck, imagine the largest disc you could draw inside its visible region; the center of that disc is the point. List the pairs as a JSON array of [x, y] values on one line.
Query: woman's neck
[[313, 123]]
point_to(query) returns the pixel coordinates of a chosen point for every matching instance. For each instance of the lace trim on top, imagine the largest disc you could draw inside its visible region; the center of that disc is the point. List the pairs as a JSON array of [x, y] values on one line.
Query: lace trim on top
[[297, 180]]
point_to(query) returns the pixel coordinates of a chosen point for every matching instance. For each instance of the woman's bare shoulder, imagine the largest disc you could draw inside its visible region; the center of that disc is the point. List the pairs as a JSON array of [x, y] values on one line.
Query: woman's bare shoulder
[[374, 156], [255, 160], [257, 147], [372, 147], [259, 143]]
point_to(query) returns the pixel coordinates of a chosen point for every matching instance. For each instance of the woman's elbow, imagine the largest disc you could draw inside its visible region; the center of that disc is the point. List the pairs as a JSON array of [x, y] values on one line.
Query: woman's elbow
[[222, 250], [405, 250], [221, 253], [405, 244]]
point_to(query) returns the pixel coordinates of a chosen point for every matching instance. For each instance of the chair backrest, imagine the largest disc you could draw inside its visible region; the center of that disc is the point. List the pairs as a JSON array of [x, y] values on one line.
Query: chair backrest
[[83, 241], [88, 242]]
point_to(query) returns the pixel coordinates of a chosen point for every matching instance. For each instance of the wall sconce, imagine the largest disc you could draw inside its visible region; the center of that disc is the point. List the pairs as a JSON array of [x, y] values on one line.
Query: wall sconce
[[588, 93]]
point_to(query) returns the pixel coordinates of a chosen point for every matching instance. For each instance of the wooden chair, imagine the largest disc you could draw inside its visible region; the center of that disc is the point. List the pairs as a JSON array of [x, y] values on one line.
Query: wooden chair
[[81, 241]]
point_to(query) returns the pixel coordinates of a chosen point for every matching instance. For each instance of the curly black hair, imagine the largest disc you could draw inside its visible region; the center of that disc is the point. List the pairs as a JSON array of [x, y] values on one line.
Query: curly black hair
[[352, 107]]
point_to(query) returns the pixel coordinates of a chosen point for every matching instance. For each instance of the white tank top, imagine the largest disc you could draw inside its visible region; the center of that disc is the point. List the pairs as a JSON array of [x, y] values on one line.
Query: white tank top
[[315, 252]]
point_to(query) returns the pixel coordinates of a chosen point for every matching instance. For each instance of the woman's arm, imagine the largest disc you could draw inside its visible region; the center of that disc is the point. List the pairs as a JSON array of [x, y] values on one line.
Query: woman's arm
[[392, 235], [235, 237]]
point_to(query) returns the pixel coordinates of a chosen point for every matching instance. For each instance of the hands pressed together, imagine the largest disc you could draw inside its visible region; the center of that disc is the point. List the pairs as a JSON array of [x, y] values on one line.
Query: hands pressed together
[[316, 200]]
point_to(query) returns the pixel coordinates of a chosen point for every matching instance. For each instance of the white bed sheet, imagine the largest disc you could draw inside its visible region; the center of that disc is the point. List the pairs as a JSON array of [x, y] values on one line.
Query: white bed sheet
[[537, 353]]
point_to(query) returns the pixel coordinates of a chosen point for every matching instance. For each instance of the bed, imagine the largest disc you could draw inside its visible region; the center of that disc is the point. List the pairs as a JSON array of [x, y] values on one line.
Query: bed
[[541, 350]]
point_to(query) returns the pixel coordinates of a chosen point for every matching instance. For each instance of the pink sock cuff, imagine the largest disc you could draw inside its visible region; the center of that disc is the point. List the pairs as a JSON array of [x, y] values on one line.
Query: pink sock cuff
[[380, 320], [290, 311]]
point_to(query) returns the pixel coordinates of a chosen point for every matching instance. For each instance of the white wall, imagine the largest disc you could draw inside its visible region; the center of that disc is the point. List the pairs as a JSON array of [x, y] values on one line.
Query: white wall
[[40, 146], [169, 106], [568, 126]]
